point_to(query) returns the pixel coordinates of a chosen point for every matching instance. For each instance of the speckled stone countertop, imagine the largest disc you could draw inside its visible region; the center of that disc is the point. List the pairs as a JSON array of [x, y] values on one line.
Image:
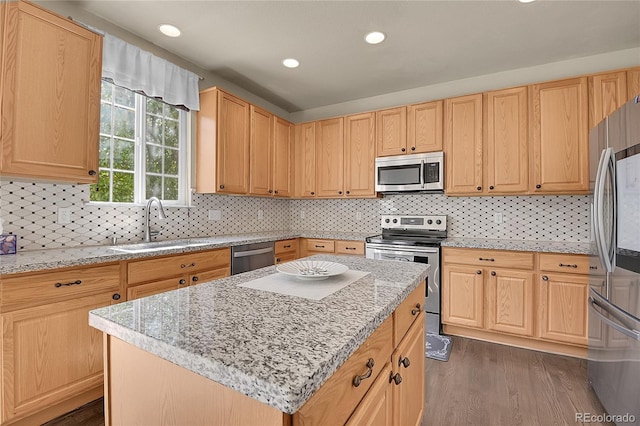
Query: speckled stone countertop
[[38, 260], [276, 349], [519, 245]]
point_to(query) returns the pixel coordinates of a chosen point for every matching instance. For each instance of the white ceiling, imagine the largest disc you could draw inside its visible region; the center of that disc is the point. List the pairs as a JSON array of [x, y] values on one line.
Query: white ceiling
[[428, 42]]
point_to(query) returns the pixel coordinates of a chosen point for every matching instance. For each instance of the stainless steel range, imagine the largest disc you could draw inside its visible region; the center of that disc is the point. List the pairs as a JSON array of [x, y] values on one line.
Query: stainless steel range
[[414, 239]]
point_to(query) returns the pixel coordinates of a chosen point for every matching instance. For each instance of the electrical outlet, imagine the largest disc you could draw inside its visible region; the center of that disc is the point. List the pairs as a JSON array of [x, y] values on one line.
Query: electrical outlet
[[64, 216], [215, 215], [497, 217], [260, 215], [302, 214], [358, 215]]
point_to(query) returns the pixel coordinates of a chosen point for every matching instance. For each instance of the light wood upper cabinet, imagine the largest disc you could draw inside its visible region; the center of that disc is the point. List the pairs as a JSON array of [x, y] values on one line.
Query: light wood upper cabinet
[[330, 157], [463, 144], [506, 141], [222, 160], [633, 82], [261, 152], [305, 163], [607, 93], [281, 172], [359, 155], [391, 131], [559, 137], [50, 98], [424, 127]]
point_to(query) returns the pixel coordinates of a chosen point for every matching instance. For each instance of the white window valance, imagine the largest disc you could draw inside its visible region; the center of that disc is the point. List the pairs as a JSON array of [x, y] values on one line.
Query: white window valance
[[138, 70]]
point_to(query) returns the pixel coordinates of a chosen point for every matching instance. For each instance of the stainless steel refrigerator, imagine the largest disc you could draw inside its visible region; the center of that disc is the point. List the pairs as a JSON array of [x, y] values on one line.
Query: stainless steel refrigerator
[[614, 294]]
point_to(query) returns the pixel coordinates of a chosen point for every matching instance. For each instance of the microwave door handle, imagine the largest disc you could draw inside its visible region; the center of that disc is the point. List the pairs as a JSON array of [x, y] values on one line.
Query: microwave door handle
[[422, 183]]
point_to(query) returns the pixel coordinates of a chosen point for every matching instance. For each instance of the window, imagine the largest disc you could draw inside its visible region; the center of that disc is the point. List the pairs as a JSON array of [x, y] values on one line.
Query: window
[[142, 149]]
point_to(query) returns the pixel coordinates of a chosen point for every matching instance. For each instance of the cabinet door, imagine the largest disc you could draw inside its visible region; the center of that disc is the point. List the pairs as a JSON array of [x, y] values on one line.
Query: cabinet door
[[563, 308], [305, 164], [51, 98], [607, 93], [560, 137], [462, 295], [376, 408], [509, 301], [282, 135], [506, 141], [232, 145], [330, 157], [424, 127], [633, 82], [155, 287], [359, 155], [261, 151], [408, 361], [49, 354], [391, 131], [463, 144]]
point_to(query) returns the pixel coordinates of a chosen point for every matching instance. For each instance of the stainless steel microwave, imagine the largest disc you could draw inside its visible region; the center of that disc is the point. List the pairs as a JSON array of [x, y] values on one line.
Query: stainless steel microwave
[[411, 173]]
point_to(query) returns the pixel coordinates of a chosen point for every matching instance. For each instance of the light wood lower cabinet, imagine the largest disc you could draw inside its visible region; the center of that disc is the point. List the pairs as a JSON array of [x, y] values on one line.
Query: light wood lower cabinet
[[407, 363], [462, 296], [377, 406], [509, 301], [311, 246], [286, 250]]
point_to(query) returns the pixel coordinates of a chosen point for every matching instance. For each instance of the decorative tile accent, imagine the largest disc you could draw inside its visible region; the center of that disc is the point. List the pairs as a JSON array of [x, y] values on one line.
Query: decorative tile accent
[[29, 210]]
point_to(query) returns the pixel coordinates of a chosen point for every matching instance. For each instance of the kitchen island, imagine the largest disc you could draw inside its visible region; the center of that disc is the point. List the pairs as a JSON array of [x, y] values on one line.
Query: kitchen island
[[220, 353]]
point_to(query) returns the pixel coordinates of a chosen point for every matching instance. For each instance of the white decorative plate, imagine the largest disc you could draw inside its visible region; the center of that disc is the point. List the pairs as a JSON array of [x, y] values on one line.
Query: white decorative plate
[[312, 269]]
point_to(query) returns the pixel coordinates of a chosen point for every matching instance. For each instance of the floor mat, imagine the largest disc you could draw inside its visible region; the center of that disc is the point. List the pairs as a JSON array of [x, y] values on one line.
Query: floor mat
[[438, 347]]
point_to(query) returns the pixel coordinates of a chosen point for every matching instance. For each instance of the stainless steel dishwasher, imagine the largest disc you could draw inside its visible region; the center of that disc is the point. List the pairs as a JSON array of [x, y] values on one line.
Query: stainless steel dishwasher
[[248, 257]]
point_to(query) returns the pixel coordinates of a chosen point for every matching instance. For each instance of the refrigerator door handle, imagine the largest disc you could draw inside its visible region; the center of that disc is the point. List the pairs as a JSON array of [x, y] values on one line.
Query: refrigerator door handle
[[605, 167], [596, 300]]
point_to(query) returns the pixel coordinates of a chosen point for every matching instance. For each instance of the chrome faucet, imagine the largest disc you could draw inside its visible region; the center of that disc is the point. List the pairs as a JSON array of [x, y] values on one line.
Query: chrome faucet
[[148, 233]]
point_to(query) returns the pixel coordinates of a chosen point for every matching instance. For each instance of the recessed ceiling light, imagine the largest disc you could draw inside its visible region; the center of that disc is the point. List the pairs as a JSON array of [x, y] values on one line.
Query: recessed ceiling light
[[169, 30], [290, 63], [375, 37], [526, 1]]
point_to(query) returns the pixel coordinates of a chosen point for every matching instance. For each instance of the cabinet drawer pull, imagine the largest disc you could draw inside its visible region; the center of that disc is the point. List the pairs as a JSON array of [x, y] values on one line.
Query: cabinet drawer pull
[[416, 310], [275, 192], [358, 379], [413, 148], [76, 282], [593, 267], [545, 278], [287, 246], [190, 265], [277, 260], [182, 282], [405, 362], [487, 259], [271, 191], [566, 265], [397, 378], [317, 246], [403, 149], [350, 248], [493, 273], [313, 193], [538, 186]]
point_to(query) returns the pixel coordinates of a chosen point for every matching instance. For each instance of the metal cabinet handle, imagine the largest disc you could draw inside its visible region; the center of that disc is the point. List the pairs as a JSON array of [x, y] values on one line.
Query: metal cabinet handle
[[493, 273], [350, 248], [92, 172], [313, 193], [413, 148], [339, 192], [566, 265], [287, 246], [195, 279], [76, 282], [116, 296], [275, 192], [317, 246], [491, 187], [348, 192], [487, 259], [416, 310], [403, 149], [397, 378], [538, 186], [405, 362], [182, 282], [479, 188], [190, 265], [271, 191], [358, 379], [277, 260], [545, 278], [479, 272], [221, 186]]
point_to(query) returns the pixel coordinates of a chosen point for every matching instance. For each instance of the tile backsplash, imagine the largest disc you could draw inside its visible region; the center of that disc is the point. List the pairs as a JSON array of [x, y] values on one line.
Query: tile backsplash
[[30, 210]]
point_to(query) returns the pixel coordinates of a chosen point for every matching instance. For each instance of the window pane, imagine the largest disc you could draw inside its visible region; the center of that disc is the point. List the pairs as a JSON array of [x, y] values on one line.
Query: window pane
[[172, 112], [170, 161], [100, 191], [154, 186], [154, 129], [122, 187], [171, 133], [154, 159], [105, 118], [104, 159], [154, 106], [123, 154], [170, 188], [124, 123], [107, 90], [124, 97]]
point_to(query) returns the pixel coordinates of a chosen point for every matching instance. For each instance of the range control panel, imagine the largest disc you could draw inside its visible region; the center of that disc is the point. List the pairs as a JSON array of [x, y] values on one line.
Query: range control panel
[[431, 223]]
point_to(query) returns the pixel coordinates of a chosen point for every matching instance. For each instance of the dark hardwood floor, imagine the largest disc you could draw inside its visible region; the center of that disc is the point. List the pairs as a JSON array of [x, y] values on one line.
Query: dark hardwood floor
[[490, 384], [481, 384]]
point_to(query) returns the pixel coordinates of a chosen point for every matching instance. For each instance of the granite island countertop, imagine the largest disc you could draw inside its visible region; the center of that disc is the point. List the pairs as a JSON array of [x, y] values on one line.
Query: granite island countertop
[[274, 348], [522, 245]]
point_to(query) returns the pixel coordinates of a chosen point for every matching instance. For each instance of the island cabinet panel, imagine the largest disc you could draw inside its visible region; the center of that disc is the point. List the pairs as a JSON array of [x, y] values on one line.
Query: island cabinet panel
[[50, 97], [335, 401], [406, 314], [377, 406]]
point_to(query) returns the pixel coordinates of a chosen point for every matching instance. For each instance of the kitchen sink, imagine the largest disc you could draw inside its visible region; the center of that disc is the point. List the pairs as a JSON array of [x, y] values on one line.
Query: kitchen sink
[[159, 245]]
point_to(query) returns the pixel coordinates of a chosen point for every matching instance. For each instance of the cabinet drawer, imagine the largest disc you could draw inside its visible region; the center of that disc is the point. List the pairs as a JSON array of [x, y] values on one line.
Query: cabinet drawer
[[155, 287], [324, 246], [572, 263], [166, 266], [282, 258], [45, 288], [337, 398], [407, 312], [286, 246], [488, 258], [350, 247], [206, 276]]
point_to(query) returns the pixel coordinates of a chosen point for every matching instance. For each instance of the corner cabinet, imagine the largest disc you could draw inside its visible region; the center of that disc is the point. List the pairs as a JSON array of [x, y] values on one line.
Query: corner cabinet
[[261, 149], [50, 99], [305, 160], [283, 133], [222, 159], [359, 155]]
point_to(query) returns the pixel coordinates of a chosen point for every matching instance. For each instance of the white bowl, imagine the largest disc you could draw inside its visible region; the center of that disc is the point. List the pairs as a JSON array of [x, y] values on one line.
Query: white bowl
[[312, 269]]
